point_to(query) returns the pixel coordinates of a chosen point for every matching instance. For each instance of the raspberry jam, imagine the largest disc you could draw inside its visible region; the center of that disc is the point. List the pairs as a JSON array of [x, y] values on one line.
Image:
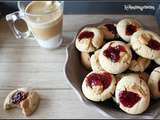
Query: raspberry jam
[[96, 79], [154, 44], [130, 29], [18, 97], [111, 28], [85, 34], [128, 99], [114, 52]]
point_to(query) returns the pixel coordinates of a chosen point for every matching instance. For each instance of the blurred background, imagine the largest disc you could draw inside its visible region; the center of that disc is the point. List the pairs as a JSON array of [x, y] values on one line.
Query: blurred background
[[94, 6], [148, 7]]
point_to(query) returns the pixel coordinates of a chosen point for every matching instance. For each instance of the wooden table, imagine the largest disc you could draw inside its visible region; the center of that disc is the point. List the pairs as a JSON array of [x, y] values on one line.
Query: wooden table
[[24, 64]]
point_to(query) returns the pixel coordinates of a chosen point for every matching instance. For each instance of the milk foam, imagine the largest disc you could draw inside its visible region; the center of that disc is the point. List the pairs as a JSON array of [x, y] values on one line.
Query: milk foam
[[45, 13]]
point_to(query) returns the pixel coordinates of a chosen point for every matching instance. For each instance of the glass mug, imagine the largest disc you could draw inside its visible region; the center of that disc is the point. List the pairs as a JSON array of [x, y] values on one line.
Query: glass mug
[[44, 21]]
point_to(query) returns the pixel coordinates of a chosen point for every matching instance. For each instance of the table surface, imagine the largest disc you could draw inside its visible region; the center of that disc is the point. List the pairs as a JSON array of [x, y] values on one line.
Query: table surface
[[24, 64]]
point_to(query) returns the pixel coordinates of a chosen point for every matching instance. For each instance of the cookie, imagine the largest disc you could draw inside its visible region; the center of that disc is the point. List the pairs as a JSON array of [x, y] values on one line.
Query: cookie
[[138, 63], [109, 31], [146, 44], [89, 39], [30, 104], [157, 61], [98, 86], [126, 27], [132, 94], [115, 57], [11, 101], [142, 75], [154, 83], [85, 60], [23, 98], [95, 65]]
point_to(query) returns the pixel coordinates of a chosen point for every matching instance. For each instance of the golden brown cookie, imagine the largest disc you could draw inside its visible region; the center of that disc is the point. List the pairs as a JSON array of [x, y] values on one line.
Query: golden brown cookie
[[95, 65], [98, 86], [109, 31], [126, 27], [23, 98], [89, 39], [132, 94]]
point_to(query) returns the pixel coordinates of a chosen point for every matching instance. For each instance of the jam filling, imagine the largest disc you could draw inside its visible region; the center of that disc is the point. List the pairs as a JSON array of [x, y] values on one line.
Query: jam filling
[[18, 97], [111, 28], [85, 34], [96, 79], [130, 29], [128, 99], [154, 44], [159, 85], [114, 52]]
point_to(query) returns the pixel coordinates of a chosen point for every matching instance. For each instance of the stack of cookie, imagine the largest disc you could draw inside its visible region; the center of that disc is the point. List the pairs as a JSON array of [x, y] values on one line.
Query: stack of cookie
[[117, 56]]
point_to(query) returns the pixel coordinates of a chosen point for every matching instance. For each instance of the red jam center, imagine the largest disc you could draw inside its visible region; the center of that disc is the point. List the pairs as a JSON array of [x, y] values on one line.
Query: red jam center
[[85, 34], [128, 99], [103, 79], [154, 44], [130, 29], [111, 28], [159, 85], [114, 52], [18, 97]]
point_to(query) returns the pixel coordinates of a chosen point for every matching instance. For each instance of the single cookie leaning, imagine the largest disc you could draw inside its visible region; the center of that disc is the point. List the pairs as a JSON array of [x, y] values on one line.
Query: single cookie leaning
[[27, 100], [89, 39], [126, 27], [115, 57], [98, 86], [95, 65], [146, 44], [138, 63], [154, 83], [132, 94], [109, 31]]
